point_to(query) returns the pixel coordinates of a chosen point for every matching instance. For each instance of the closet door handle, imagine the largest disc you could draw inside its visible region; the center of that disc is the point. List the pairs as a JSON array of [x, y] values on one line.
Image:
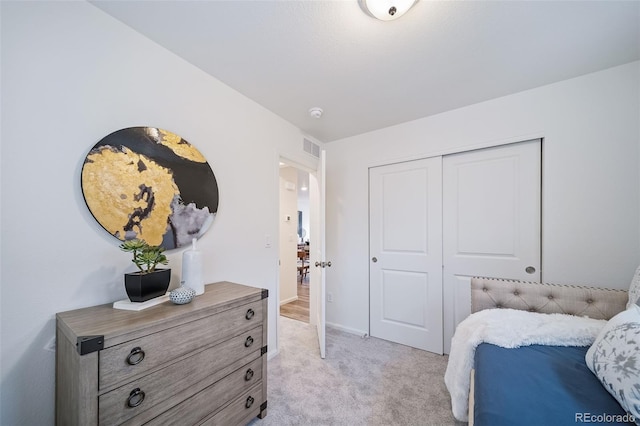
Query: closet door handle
[[374, 259], [530, 270]]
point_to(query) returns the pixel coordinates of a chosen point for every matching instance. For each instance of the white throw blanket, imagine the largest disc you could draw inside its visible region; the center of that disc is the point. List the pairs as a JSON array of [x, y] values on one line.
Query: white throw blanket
[[508, 328]]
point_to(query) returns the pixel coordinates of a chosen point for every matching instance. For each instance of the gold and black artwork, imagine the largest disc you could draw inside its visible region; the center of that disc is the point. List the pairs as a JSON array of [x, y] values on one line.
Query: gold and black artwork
[[150, 184]]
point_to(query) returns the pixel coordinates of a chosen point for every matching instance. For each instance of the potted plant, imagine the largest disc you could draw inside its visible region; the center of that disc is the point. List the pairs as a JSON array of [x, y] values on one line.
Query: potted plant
[[148, 282]]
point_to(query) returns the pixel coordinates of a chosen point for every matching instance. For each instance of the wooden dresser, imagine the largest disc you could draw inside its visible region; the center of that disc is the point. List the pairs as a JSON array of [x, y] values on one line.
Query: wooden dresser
[[203, 363]]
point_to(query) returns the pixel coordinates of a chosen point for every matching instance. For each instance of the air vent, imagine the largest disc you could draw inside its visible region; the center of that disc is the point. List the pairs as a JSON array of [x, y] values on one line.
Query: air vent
[[311, 148]]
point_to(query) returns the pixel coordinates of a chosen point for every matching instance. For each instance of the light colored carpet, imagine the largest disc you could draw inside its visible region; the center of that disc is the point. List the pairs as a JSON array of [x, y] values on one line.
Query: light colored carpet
[[361, 382]]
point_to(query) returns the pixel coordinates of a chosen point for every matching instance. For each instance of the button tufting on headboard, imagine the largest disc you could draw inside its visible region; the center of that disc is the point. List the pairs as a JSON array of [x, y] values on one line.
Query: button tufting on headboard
[[599, 303]]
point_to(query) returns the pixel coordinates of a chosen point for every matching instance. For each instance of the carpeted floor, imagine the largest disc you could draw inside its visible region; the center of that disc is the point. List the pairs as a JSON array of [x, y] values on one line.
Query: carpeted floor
[[361, 382]]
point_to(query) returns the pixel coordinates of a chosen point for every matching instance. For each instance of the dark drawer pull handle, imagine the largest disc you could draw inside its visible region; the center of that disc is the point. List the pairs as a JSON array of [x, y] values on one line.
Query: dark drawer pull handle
[[249, 402], [250, 314], [249, 375], [136, 356], [135, 398], [248, 342]]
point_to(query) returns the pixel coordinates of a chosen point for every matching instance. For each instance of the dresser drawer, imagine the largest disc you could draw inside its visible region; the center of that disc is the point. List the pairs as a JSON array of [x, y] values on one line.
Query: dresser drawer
[[212, 398], [184, 377], [124, 361], [240, 411]]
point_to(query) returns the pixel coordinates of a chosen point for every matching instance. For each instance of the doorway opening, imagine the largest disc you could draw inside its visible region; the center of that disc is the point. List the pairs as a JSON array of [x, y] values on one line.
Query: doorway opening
[[294, 242]]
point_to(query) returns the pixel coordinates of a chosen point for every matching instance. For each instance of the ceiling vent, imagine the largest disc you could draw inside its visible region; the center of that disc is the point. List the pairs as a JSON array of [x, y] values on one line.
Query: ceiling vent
[[311, 148]]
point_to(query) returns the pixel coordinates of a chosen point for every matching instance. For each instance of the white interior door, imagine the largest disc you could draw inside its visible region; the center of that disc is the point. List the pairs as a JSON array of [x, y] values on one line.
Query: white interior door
[[491, 221], [406, 253], [317, 275]]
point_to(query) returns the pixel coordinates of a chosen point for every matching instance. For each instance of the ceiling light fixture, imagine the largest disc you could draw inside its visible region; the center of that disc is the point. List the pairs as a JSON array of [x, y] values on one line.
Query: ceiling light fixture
[[387, 10]]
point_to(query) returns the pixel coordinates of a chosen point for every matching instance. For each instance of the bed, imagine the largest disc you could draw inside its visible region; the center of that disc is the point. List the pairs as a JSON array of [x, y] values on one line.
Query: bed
[[507, 394], [525, 363]]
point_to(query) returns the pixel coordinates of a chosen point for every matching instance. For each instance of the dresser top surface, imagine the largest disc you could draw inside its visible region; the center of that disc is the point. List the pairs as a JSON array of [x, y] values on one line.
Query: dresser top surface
[[109, 322]]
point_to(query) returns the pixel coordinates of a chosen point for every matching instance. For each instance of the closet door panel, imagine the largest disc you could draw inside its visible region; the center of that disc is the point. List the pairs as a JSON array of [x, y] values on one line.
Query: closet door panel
[[491, 221], [406, 253]]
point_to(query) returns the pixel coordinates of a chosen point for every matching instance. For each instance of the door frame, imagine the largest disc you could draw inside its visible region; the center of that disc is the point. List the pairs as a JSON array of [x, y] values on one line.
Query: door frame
[[313, 277]]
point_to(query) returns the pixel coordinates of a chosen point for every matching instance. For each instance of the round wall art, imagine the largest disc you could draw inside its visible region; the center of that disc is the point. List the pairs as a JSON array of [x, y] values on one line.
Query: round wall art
[[150, 184]]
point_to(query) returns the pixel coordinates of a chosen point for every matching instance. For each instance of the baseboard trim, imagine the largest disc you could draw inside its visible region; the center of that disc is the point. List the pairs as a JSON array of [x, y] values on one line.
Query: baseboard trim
[[289, 300], [355, 331], [272, 354]]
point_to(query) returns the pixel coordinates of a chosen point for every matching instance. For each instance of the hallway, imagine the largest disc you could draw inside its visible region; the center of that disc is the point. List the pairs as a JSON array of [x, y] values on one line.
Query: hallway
[[299, 309]]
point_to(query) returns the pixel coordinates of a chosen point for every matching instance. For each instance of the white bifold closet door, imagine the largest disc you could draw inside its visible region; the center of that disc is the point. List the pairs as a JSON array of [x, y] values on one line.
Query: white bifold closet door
[[435, 223]]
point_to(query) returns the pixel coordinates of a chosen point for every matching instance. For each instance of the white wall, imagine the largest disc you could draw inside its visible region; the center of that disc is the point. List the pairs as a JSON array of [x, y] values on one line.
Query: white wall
[[303, 206], [591, 130], [288, 236], [71, 75]]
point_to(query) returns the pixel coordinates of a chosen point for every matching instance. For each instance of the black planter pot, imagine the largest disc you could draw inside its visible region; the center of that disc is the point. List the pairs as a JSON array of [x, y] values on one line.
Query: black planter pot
[[142, 287]]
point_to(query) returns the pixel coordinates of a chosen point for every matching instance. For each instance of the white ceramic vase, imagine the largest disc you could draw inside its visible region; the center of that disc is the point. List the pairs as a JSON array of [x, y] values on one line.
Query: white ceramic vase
[[192, 269]]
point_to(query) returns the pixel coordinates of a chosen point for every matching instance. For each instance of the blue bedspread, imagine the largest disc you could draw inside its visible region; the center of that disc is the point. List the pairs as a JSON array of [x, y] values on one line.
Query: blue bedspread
[[539, 385]]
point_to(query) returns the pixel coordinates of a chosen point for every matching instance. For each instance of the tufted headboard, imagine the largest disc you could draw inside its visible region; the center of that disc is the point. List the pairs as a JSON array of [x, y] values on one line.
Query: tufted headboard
[[598, 303]]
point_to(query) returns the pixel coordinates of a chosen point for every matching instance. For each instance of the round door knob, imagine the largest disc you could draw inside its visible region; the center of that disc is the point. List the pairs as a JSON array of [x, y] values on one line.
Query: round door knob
[[374, 259], [318, 264], [530, 270], [329, 264]]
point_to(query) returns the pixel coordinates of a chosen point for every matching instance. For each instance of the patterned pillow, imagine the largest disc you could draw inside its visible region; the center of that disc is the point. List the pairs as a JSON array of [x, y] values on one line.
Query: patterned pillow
[[634, 289], [614, 358]]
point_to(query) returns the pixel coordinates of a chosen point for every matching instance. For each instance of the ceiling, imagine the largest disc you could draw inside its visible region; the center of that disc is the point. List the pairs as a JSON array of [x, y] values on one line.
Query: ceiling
[[290, 56]]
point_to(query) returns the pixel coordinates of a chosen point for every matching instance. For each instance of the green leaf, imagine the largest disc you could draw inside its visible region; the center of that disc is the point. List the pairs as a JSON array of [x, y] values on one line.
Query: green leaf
[[145, 257]]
